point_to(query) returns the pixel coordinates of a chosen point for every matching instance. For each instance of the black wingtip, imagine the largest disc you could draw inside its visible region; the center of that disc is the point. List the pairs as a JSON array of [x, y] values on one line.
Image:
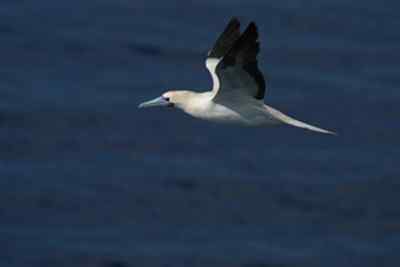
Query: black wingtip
[[252, 24], [234, 20], [233, 23], [252, 29], [226, 39]]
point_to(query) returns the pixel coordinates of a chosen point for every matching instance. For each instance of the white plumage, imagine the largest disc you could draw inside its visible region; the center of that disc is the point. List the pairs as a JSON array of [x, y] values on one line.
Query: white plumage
[[238, 85]]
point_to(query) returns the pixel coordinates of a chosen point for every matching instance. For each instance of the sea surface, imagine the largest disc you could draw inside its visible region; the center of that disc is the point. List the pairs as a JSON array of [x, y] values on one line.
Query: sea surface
[[89, 180]]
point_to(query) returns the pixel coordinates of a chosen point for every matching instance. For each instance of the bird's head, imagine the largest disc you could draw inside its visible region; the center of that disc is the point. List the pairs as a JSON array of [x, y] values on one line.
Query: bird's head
[[168, 99]]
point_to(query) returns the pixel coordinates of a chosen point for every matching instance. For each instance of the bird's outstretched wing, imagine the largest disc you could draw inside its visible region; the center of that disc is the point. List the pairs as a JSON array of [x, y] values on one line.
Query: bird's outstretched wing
[[221, 47], [237, 72], [226, 39]]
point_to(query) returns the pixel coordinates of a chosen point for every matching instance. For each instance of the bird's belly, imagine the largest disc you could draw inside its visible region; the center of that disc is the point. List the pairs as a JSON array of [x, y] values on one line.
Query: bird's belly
[[223, 114]]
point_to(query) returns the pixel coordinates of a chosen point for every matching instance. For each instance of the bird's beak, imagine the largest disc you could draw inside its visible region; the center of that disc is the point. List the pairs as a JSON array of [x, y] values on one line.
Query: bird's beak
[[159, 101]]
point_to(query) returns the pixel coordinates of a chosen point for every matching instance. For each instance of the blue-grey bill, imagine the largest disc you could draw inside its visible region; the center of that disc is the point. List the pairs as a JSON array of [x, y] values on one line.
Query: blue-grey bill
[[157, 102]]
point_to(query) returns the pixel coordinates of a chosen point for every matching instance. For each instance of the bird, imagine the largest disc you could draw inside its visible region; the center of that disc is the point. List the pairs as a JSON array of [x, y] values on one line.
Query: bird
[[239, 87]]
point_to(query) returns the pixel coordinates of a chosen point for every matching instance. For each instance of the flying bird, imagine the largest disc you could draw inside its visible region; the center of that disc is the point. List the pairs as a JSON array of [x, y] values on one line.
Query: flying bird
[[238, 85]]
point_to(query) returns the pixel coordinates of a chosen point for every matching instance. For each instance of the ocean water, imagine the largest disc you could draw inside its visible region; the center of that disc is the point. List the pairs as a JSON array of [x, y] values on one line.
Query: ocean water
[[87, 179]]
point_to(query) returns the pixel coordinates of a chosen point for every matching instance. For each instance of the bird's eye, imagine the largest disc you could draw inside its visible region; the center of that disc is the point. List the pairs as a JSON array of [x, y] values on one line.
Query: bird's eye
[[166, 99]]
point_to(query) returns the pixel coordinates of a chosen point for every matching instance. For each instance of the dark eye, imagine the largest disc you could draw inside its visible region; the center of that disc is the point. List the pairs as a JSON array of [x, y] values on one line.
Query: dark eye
[[166, 99]]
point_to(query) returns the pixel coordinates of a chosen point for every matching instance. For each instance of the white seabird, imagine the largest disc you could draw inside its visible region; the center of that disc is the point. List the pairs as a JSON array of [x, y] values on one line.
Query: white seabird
[[238, 85]]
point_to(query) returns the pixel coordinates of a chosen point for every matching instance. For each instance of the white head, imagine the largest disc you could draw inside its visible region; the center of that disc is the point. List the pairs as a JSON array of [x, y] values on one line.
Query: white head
[[169, 99]]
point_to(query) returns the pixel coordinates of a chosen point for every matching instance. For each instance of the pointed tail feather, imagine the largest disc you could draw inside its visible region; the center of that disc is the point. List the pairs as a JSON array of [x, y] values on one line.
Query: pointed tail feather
[[288, 120]]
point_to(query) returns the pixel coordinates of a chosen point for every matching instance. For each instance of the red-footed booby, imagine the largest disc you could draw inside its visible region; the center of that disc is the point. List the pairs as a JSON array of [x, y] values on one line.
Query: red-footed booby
[[238, 85]]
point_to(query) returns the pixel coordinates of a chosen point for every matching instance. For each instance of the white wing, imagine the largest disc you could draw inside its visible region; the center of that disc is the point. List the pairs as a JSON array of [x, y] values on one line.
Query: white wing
[[221, 47], [233, 66]]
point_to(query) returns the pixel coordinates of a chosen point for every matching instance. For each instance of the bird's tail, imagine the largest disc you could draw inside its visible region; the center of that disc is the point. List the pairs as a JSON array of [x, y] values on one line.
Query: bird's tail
[[276, 114]]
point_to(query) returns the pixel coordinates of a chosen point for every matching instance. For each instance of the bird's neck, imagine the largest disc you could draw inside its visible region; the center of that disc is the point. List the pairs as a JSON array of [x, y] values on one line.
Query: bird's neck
[[195, 102]]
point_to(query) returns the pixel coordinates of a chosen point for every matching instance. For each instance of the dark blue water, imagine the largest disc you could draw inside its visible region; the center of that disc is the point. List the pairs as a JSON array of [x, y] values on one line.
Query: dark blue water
[[87, 179]]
